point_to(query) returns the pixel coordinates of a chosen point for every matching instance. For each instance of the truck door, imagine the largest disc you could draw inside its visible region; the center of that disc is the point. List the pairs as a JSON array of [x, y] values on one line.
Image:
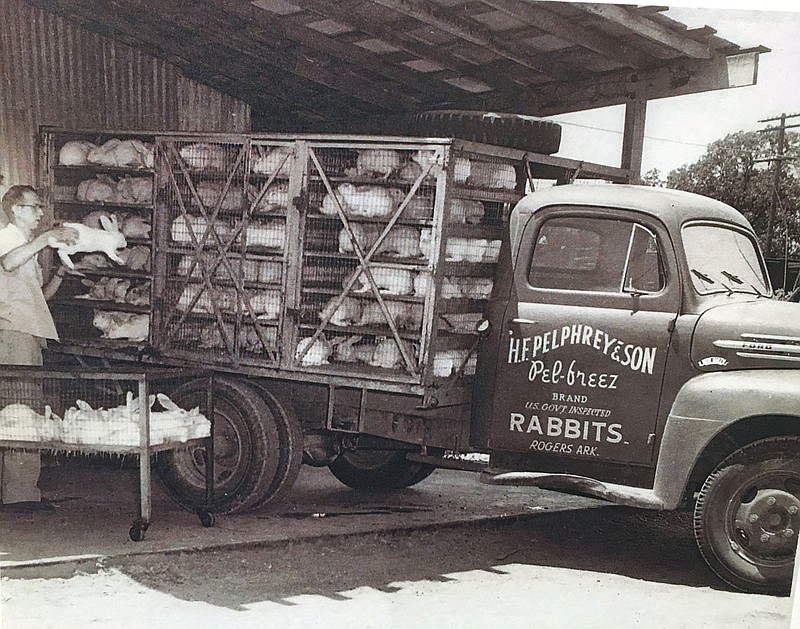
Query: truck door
[[587, 330]]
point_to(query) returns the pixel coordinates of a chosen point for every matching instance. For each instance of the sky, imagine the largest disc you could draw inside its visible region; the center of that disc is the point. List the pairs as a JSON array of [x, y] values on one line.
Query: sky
[[679, 129]]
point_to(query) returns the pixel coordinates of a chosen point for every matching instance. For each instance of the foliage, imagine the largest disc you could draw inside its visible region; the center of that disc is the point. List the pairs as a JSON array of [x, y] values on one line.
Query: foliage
[[734, 170], [653, 179]]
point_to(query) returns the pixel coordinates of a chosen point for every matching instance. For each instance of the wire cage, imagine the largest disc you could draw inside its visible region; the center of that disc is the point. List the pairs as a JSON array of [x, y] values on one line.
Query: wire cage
[[93, 410]]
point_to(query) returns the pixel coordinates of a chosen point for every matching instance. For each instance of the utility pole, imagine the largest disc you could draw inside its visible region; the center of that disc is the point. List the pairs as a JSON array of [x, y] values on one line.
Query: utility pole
[[778, 160]]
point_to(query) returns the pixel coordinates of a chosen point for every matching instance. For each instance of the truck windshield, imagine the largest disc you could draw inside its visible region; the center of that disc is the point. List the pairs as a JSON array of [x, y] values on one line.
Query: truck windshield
[[723, 260]]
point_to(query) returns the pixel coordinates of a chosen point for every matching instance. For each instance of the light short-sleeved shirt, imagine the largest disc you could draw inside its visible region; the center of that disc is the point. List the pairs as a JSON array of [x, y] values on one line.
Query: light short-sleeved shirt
[[22, 304]]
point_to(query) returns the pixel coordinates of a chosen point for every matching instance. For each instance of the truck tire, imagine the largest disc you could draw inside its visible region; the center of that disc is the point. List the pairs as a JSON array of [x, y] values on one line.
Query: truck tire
[[512, 130], [290, 448], [747, 516], [246, 450], [378, 469]]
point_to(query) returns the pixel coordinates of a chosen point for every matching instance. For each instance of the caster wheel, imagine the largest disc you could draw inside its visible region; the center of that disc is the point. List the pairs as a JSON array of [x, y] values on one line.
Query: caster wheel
[[137, 530], [207, 518]]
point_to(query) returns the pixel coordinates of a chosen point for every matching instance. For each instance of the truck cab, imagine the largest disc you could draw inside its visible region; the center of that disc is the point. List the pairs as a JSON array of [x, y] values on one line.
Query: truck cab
[[633, 352]]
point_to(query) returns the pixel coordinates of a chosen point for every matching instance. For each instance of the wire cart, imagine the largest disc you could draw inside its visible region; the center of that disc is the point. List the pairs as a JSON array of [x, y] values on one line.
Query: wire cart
[[100, 410]]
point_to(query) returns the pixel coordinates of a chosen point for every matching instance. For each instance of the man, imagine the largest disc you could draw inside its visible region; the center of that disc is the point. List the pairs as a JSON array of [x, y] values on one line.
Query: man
[[25, 322]]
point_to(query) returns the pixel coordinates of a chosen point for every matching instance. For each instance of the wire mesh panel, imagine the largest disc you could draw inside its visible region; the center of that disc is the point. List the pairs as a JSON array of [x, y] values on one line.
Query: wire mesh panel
[[368, 207], [224, 241]]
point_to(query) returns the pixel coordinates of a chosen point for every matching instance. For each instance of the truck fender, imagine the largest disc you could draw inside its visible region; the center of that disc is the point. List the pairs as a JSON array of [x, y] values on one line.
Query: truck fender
[[708, 404]]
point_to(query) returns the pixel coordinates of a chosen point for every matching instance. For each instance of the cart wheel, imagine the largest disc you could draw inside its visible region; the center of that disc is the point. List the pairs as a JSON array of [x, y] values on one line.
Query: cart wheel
[[137, 530], [207, 518]]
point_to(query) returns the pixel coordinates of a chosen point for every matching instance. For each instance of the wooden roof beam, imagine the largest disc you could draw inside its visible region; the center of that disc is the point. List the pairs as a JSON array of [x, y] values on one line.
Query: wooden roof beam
[[648, 29], [432, 15], [689, 76], [569, 30]]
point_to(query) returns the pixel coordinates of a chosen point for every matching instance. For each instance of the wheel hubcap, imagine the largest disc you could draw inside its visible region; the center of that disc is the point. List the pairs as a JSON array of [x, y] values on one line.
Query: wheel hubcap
[[767, 524]]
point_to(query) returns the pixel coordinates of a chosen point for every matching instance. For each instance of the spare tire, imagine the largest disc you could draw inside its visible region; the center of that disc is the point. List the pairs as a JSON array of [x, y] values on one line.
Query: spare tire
[[526, 133]]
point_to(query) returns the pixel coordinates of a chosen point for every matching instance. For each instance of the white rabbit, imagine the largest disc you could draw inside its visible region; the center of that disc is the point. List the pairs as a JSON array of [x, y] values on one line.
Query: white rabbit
[[275, 198], [406, 316], [331, 203], [267, 234], [410, 171], [421, 283], [366, 201], [278, 157], [377, 163], [75, 152], [390, 280], [100, 189], [345, 350], [122, 325], [466, 211], [122, 153], [135, 226], [134, 190], [203, 303], [106, 240], [348, 312], [318, 354], [203, 156], [472, 250], [387, 354], [365, 235], [266, 304], [427, 159]]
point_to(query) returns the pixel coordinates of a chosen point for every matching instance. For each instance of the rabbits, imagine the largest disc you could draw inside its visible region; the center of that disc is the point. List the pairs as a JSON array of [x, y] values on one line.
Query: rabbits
[[270, 234], [311, 354], [348, 313], [387, 354], [384, 354], [210, 195], [407, 316], [135, 227], [106, 240], [364, 201], [182, 229], [266, 305], [275, 198], [472, 250], [390, 280], [279, 159], [377, 163], [134, 190], [203, 156], [122, 154], [122, 325], [401, 241], [75, 153], [100, 189], [345, 350], [466, 211]]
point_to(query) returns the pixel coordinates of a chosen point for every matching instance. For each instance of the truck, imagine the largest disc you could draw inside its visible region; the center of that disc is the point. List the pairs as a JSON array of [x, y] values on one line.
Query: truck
[[383, 306]]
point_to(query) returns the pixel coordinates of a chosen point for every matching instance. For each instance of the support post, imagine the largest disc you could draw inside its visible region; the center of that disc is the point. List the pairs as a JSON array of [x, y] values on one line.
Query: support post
[[633, 138]]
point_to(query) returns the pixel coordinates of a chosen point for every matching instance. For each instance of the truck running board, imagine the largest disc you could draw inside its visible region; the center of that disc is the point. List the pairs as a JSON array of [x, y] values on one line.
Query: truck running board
[[579, 485]]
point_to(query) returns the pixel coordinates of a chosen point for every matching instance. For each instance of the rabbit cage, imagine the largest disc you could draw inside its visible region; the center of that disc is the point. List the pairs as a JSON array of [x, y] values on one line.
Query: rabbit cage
[[101, 411], [360, 261]]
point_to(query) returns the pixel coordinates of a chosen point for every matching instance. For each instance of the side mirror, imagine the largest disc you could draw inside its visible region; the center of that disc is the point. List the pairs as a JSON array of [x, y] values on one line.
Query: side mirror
[[484, 328]]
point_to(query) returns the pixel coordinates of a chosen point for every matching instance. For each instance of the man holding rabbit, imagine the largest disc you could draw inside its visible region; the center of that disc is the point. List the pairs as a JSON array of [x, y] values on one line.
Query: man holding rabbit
[[25, 322]]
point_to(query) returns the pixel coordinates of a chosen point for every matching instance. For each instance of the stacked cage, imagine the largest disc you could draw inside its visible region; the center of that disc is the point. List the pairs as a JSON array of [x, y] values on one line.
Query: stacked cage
[[103, 181], [222, 248]]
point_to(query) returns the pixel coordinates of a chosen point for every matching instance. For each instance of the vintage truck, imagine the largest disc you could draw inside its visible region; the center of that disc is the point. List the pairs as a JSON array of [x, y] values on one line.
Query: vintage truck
[[375, 306]]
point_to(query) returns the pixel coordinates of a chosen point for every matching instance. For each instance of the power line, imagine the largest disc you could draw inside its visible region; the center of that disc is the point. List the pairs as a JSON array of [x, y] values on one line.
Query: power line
[[649, 137]]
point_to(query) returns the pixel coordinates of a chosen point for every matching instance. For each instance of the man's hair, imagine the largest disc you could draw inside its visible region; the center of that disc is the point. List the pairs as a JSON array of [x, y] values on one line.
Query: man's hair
[[14, 196]]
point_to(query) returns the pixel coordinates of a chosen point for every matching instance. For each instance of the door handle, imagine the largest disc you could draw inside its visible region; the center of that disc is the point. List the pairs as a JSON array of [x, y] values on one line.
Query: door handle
[[528, 321]]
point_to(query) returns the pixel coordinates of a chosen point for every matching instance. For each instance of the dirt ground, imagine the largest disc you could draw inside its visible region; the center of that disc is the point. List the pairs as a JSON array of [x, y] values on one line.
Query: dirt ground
[[608, 567]]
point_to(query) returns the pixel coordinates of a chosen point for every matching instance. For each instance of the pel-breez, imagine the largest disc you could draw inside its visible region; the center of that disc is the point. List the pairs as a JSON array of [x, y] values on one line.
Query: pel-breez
[[633, 352]]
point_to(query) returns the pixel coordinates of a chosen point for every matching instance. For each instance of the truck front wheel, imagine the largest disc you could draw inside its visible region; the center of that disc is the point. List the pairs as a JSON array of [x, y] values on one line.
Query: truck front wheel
[[378, 469], [747, 516]]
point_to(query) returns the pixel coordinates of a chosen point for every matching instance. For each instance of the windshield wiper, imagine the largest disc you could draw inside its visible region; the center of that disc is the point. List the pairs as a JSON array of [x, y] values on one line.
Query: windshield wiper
[[703, 276], [732, 277]]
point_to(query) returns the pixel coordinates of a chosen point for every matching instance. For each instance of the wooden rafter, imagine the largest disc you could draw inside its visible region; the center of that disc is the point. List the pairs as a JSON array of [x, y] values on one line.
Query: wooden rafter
[[570, 31], [648, 29]]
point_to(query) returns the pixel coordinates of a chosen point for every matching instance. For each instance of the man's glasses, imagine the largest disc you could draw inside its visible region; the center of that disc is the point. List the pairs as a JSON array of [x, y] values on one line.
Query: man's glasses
[[36, 205]]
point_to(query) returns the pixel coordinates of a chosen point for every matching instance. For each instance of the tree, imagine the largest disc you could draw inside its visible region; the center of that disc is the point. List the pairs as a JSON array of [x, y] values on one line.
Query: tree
[[733, 171]]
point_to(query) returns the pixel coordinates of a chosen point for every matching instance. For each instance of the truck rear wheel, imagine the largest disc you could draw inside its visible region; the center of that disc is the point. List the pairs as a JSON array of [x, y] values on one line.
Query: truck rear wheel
[[378, 469], [290, 447], [747, 516], [246, 450]]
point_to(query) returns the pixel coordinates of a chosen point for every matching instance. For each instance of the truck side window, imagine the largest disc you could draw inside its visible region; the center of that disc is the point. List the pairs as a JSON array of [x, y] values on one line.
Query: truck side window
[[595, 254]]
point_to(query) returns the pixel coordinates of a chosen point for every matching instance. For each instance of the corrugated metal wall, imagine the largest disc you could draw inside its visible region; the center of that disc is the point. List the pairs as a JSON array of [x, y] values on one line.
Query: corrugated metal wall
[[53, 72]]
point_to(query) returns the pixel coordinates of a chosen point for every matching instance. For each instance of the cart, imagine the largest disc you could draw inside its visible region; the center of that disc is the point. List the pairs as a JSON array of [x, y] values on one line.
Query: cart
[[99, 410]]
